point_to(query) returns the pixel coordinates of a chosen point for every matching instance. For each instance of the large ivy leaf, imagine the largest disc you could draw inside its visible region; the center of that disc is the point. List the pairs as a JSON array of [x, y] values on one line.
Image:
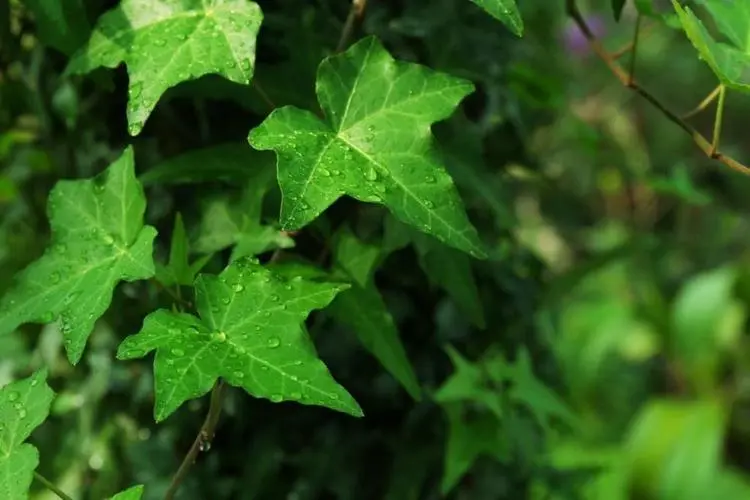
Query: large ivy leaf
[[363, 309], [132, 493], [165, 42], [375, 144], [98, 240], [505, 11], [249, 332], [61, 25], [729, 62], [24, 405]]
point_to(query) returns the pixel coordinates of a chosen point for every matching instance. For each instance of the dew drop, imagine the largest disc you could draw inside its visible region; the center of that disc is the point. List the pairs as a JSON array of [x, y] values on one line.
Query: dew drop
[[430, 179], [177, 352], [276, 398], [108, 239], [22, 413], [429, 204], [275, 298], [238, 374], [238, 287], [13, 396], [296, 395], [54, 277], [371, 174], [324, 172], [273, 342]]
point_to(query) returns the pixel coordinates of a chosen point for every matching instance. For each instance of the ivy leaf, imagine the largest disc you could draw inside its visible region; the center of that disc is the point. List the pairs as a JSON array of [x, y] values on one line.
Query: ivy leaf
[[165, 42], [729, 62], [250, 333], [132, 493], [468, 384], [470, 436], [505, 11], [24, 405], [617, 8], [61, 25], [375, 144], [98, 240], [363, 310], [179, 271]]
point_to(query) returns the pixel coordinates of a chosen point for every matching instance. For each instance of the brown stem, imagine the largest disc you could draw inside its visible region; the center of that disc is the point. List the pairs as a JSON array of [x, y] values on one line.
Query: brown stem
[[356, 12], [202, 441], [702, 143]]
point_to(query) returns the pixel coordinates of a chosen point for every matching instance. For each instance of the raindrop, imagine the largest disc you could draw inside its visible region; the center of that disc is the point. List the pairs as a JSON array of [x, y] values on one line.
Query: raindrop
[[22, 413], [108, 240], [13, 396], [178, 352], [275, 298], [371, 174], [54, 277], [238, 374], [276, 398], [273, 342], [429, 204], [430, 179], [238, 287], [296, 395]]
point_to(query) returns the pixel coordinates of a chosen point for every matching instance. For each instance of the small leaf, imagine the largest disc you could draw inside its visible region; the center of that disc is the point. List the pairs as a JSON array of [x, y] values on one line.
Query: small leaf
[[505, 11], [179, 271], [98, 240], [375, 144], [165, 42], [132, 493], [24, 406], [617, 8], [363, 309], [250, 333], [468, 384]]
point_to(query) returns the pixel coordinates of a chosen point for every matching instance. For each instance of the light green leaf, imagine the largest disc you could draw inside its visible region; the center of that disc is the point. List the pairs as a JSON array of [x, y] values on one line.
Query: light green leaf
[[24, 405], [675, 449], [98, 240], [470, 436], [730, 63], [697, 317], [132, 493], [505, 11], [179, 271], [375, 144], [230, 162], [165, 42], [468, 384], [249, 332], [363, 310], [61, 25]]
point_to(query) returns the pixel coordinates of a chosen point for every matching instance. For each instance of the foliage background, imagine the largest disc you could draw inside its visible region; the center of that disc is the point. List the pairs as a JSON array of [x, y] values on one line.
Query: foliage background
[[619, 264]]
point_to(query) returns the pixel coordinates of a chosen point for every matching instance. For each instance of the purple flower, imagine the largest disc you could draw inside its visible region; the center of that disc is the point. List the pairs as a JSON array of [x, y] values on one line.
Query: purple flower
[[574, 40]]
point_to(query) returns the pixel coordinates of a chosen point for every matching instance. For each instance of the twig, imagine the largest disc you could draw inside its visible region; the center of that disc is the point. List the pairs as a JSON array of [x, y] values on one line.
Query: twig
[[50, 486], [356, 12], [718, 120], [629, 46], [704, 103], [202, 440], [634, 53], [620, 74]]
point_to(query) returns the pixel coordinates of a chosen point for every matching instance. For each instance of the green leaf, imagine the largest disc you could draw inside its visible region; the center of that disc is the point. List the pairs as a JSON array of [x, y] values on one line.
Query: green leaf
[[24, 406], [179, 271], [470, 436], [132, 493], [226, 223], [697, 316], [452, 271], [61, 25], [468, 384], [230, 162], [375, 144], [165, 42], [98, 240], [249, 332], [675, 449], [730, 63], [363, 309], [617, 7], [505, 11]]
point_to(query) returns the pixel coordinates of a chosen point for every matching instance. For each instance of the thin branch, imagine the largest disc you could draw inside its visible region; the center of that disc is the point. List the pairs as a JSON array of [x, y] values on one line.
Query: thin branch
[[718, 119], [356, 12], [620, 74], [634, 53], [202, 441], [629, 46], [50, 486], [704, 103]]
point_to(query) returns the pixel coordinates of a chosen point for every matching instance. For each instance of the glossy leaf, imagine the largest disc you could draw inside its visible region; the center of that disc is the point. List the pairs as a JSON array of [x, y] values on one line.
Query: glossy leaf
[[375, 144], [132, 493], [729, 62], [249, 332], [363, 309], [505, 11], [98, 240], [165, 42], [24, 405], [469, 384]]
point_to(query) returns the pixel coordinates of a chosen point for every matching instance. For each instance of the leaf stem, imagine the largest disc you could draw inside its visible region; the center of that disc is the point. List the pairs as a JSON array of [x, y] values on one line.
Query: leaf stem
[[704, 103], [718, 120], [356, 12], [702, 143], [202, 441], [634, 53], [50, 486]]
